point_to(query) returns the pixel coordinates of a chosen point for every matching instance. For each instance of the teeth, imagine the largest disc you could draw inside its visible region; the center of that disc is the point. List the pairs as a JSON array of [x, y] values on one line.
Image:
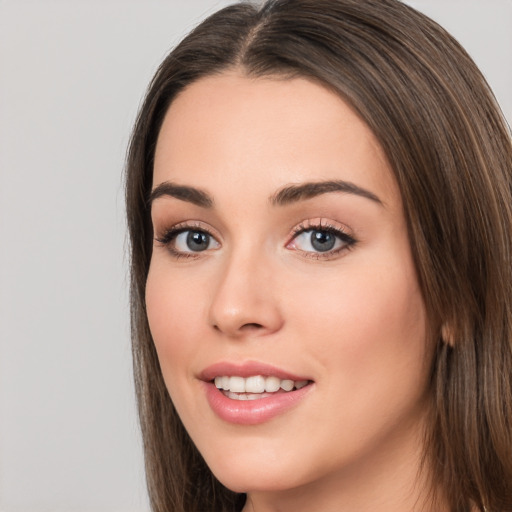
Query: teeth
[[272, 384], [256, 384], [287, 385], [244, 396], [237, 384]]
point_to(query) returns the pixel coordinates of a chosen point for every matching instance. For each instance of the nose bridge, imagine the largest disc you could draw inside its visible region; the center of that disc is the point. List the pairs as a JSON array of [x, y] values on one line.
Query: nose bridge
[[244, 300]]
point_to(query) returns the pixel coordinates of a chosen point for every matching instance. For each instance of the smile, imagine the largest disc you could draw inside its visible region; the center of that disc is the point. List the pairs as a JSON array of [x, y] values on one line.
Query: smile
[[255, 387], [253, 392]]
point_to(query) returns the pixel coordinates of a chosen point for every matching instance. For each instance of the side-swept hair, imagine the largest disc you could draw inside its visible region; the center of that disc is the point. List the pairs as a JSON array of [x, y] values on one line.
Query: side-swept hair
[[451, 153]]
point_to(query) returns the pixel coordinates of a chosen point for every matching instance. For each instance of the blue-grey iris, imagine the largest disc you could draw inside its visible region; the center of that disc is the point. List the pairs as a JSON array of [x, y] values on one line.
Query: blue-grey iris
[[322, 241], [198, 241]]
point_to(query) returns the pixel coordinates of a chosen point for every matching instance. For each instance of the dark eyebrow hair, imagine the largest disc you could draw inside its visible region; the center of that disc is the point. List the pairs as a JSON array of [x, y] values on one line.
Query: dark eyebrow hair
[[299, 192], [184, 193], [287, 195]]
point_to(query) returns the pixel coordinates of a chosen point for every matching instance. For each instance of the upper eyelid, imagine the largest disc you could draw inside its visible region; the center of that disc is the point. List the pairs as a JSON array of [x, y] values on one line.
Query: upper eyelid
[[321, 224], [307, 224], [188, 226]]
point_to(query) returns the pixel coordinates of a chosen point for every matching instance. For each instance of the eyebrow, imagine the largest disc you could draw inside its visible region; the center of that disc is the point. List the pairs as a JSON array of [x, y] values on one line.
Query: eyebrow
[[184, 193], [287, 195], [302, 191]]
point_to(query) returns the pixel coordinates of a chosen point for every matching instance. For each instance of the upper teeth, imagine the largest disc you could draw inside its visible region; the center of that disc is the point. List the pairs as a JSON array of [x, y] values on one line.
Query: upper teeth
[[257, 384]]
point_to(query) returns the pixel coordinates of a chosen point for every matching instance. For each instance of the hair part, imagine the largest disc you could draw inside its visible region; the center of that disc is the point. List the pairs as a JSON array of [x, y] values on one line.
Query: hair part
[[451, 153]]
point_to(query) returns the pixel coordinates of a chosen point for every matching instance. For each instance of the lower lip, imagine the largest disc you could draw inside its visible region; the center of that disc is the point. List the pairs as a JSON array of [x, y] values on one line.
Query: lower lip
[[252, 412]]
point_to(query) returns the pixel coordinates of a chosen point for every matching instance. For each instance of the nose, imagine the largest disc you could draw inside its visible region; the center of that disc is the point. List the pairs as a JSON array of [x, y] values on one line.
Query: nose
[[245, 302]]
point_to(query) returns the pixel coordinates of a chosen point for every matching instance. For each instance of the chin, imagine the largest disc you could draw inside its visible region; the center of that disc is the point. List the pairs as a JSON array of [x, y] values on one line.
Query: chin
[[244, 475], [255, 481]]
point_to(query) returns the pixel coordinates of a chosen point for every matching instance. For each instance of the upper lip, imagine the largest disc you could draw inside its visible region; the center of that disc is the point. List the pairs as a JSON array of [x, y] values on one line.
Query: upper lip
[[246, 369]]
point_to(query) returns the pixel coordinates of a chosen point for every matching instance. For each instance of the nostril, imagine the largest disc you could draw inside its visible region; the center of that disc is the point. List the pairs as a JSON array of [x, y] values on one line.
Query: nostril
[[246, 329], [251, 326]]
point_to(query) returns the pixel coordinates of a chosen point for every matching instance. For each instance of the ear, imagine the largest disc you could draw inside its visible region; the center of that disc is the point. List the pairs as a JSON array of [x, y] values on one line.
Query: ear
[[447, 334]]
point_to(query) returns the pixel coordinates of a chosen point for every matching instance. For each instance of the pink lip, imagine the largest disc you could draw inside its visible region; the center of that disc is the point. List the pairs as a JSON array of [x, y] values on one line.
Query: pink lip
[[250, 412], [246, 370]]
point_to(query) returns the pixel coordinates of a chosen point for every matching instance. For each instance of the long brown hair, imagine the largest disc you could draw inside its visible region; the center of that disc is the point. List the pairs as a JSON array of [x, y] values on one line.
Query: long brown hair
[[450, 150]]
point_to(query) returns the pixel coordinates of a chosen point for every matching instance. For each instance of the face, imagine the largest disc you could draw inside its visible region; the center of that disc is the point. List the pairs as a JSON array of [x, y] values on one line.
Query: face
[[282, 273]]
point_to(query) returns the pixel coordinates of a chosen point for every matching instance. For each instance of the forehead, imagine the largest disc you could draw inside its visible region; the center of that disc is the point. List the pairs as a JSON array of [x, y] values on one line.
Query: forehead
[[266, 132]]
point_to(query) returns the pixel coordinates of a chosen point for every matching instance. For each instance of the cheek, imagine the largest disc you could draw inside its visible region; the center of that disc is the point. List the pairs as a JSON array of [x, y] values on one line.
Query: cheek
[[364, 330], [174, 310], [369, 319]]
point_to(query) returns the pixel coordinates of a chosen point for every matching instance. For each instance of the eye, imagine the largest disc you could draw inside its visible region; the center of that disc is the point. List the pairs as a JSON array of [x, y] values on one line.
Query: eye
[[320, 241], [317, 240], [193, 241], [181, 241]]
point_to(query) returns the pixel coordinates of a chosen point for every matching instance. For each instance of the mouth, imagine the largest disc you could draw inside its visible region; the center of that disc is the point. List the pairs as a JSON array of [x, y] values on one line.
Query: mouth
[[255, 387], [252, 393]]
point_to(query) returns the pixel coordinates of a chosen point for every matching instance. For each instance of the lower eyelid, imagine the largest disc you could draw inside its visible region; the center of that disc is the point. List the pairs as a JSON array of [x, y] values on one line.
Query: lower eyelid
[[328, 255]]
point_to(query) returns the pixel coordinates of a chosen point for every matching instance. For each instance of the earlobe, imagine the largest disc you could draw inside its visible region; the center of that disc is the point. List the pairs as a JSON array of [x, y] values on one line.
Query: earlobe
[[447, 335]]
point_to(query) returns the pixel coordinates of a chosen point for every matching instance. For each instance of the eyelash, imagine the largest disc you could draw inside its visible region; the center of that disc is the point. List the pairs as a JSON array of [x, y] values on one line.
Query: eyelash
[[348, 241], [169, 235]]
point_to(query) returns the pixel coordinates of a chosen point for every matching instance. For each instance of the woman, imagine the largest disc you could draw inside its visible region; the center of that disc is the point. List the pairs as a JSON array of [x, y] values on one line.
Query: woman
[[319, 200]]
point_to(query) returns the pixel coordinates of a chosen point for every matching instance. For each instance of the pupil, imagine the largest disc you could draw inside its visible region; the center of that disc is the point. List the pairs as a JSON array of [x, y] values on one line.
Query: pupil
[[322, 240], [198, 241]]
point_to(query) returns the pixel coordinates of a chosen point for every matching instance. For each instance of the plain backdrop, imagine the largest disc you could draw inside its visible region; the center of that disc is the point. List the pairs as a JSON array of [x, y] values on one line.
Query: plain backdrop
[[72, 75]]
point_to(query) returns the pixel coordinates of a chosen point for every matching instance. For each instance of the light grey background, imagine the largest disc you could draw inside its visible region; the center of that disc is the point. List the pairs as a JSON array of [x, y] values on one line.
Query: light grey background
[[72, 74]]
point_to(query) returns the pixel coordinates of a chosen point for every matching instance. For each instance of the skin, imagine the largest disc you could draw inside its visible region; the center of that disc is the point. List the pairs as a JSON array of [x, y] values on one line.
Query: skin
[[353, 322]]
